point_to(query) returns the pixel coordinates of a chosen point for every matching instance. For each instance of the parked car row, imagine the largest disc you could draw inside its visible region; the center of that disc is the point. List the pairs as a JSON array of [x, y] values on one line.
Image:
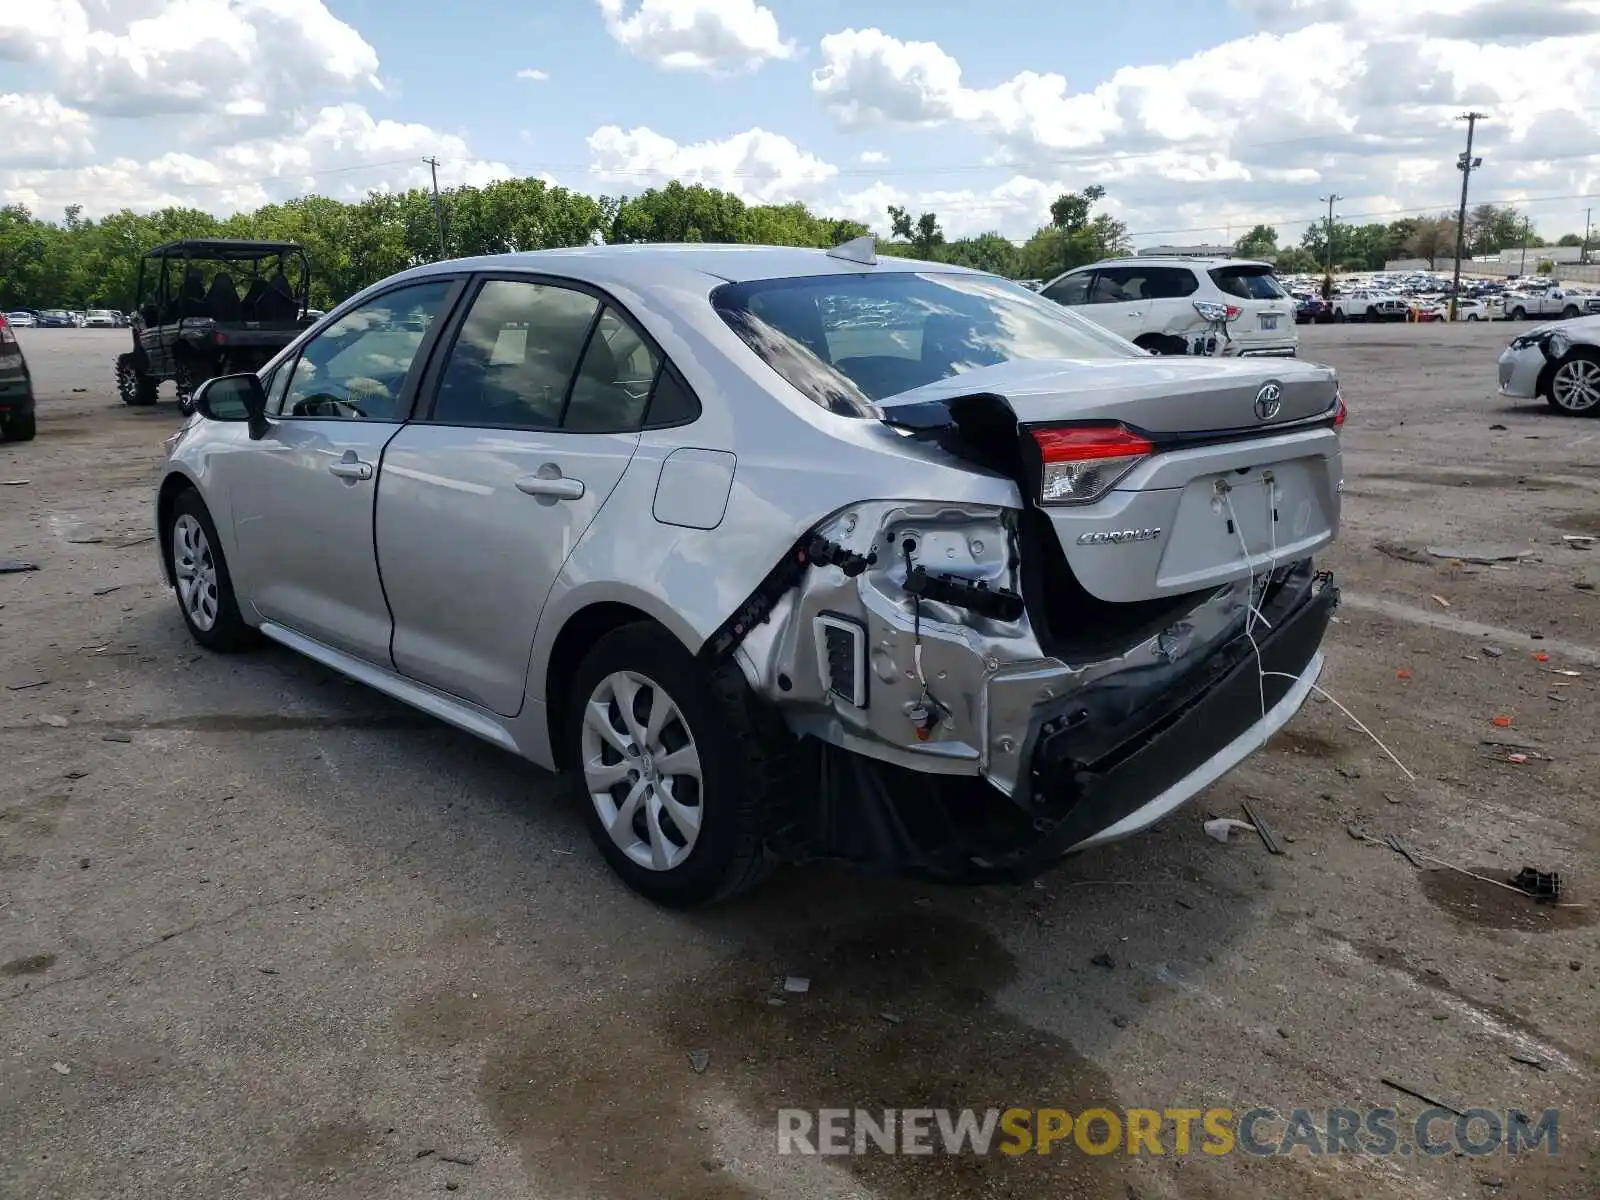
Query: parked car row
[[60, 318]]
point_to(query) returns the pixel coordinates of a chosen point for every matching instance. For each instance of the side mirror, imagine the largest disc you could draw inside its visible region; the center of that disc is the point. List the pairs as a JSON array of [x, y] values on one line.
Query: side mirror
[[234, 398]]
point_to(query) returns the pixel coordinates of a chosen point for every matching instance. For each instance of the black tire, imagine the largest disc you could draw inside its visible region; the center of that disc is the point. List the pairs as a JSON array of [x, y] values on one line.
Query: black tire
[[1472, 316], [1519, 314], [1339, 317], [1372, 313], [744, 753], [137, 389], [228, 632], [186, 376], [19, 427], [1569, 312]]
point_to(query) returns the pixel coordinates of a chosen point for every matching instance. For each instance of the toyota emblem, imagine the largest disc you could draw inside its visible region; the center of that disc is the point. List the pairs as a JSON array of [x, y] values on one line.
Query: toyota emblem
[[1268, 401]]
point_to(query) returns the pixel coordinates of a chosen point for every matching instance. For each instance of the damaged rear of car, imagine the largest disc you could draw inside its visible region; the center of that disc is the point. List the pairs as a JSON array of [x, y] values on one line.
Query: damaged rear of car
[[998, 685]]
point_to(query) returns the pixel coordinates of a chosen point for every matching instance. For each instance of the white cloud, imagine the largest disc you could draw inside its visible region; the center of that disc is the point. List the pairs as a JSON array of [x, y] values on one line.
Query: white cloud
[[872, 157], [315, 157], [1358, 95], [42, 132], [247, 98], [533, 73], [146, 57], [697, 35], [755, 165]]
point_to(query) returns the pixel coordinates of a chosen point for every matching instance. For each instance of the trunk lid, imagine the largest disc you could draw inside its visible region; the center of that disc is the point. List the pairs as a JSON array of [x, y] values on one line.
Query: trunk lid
[[1225, 494]]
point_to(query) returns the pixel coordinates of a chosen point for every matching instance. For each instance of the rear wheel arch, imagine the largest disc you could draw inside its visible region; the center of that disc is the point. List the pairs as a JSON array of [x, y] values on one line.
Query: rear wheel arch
[[578, 636], [1162, 343]]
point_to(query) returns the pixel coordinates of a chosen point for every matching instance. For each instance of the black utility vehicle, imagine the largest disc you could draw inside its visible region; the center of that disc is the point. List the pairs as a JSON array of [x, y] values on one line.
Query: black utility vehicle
[[211, 306]]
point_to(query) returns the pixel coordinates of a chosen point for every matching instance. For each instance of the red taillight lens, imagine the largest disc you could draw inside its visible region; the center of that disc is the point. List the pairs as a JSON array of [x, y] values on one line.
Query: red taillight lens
[[1080, 463], [6, 336], [1340, 413]]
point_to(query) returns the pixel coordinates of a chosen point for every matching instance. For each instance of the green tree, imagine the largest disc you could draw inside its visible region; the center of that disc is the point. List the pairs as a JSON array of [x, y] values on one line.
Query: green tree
[[990, 252], [1546, 267], [1073, 237], [1431, 238], [1293, 260], [1570, 239], [923, 235], [1260, 242]]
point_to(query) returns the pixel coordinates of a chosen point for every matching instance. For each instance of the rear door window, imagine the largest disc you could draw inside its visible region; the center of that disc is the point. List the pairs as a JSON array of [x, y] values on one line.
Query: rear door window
[[1248, 282]]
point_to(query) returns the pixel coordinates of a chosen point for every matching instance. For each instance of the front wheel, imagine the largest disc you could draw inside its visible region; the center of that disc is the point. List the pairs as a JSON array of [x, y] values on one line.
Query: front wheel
[[187, 376], [1338, 316], [1472, 316], [136, 388], [1519, 314], [1575, 386], [675, 769], [201, 582]]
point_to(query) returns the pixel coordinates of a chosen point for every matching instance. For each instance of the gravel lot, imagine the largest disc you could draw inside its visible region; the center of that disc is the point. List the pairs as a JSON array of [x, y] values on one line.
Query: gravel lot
[[264, 933]]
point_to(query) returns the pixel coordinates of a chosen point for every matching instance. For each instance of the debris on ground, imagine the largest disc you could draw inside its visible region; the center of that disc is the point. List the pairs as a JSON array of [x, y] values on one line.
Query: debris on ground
[[1497, 428], [699, 1060], [893, 1018], [798, 984], [1544, 886], [26, 684], [1394, 843], [53, 721], [457, 1160], [1493, 651], [1103, 960], [18, 482], [1397, 551], [1503, 721], [1423, 1096], [1578, 541], [1268, 838], [1440, 600], [1402, 673], [1482, 555], [1221, 827], [61, 1068], [1528, 1061], [15, 566], [115, 737]]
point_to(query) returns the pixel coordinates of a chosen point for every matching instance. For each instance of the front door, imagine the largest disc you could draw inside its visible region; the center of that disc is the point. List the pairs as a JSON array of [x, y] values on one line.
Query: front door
[[303, 494], [536, 414]]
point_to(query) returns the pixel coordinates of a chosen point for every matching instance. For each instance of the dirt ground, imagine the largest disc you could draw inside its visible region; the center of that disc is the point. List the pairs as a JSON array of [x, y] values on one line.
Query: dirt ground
[[265, 933]]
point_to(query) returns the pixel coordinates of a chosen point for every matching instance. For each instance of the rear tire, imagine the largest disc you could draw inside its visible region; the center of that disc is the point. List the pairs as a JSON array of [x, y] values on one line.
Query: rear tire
[[203, 587], [683, 821], [1339, 317], [1519, 314], [137, 389], [19, 427], [1569, 312], [186, 376]]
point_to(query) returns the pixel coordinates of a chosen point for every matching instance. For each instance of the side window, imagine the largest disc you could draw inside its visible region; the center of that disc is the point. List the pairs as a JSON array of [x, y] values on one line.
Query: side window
[[613, 384], [1116, 285], [512, 363], [356, 368], [1074, 289], [1170, 283], [277, 384], [671, 403]]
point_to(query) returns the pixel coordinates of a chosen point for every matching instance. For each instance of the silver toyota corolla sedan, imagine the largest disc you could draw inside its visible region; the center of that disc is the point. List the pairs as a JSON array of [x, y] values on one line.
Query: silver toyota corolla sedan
[[782, 553]]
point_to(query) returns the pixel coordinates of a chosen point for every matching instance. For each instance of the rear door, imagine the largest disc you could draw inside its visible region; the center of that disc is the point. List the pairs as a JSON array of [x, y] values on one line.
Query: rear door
[[1117, 300], [536, 412]]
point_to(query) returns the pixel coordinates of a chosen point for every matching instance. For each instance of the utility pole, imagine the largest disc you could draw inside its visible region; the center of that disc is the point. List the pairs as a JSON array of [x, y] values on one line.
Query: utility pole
[[1466, 164], [1583, 254], [438, 212], [1327, 279], [1527, 231]]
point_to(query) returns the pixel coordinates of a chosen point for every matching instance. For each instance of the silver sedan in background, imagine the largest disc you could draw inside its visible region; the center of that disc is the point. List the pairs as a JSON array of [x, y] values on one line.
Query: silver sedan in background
[[782, 553], [1559, 362]]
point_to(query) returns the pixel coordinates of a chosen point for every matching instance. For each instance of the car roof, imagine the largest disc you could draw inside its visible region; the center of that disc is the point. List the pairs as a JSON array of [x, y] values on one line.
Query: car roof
[[224, 248], [668, 262]]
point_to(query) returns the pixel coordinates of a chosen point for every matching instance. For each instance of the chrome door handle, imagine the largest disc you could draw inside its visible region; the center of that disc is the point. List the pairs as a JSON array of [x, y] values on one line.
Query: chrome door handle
[[557, 486], [351, 470]]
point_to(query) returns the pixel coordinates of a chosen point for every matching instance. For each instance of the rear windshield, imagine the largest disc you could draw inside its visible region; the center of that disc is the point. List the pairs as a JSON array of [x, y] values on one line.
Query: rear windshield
[[848, 340], [1248, 283]]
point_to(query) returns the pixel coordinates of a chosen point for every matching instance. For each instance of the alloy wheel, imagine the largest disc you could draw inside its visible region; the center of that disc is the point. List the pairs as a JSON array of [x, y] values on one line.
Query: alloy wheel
[[1575, 387], [641, 768], [195, 569]]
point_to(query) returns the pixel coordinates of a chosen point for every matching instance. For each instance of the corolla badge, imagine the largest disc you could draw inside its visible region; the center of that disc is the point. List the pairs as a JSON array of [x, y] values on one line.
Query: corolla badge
[[1269, 400], [1118, 537]]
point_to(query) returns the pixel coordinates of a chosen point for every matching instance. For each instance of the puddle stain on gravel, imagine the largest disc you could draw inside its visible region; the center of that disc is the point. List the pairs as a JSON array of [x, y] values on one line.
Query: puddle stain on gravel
[[1471, 901], [1299, 741], [606, 1105], [32, 964], [1588, 523], [333, 1144]]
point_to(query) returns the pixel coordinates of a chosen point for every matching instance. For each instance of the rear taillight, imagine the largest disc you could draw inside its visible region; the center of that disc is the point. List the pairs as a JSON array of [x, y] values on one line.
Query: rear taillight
[[1081, 463], [6, 336], [1212, 310], [1340, 412]]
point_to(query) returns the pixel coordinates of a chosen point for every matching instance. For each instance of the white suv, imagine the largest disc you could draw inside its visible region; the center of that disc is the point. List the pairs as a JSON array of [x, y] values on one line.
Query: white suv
[[1185, 305]]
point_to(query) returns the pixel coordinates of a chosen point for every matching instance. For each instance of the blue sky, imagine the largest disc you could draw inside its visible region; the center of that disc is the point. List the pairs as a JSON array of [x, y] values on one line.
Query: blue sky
[[1200, 118]]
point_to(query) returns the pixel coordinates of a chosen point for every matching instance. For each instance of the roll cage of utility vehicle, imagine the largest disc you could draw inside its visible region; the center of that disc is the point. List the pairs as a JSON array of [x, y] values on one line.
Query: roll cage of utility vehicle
[[208, 307]]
